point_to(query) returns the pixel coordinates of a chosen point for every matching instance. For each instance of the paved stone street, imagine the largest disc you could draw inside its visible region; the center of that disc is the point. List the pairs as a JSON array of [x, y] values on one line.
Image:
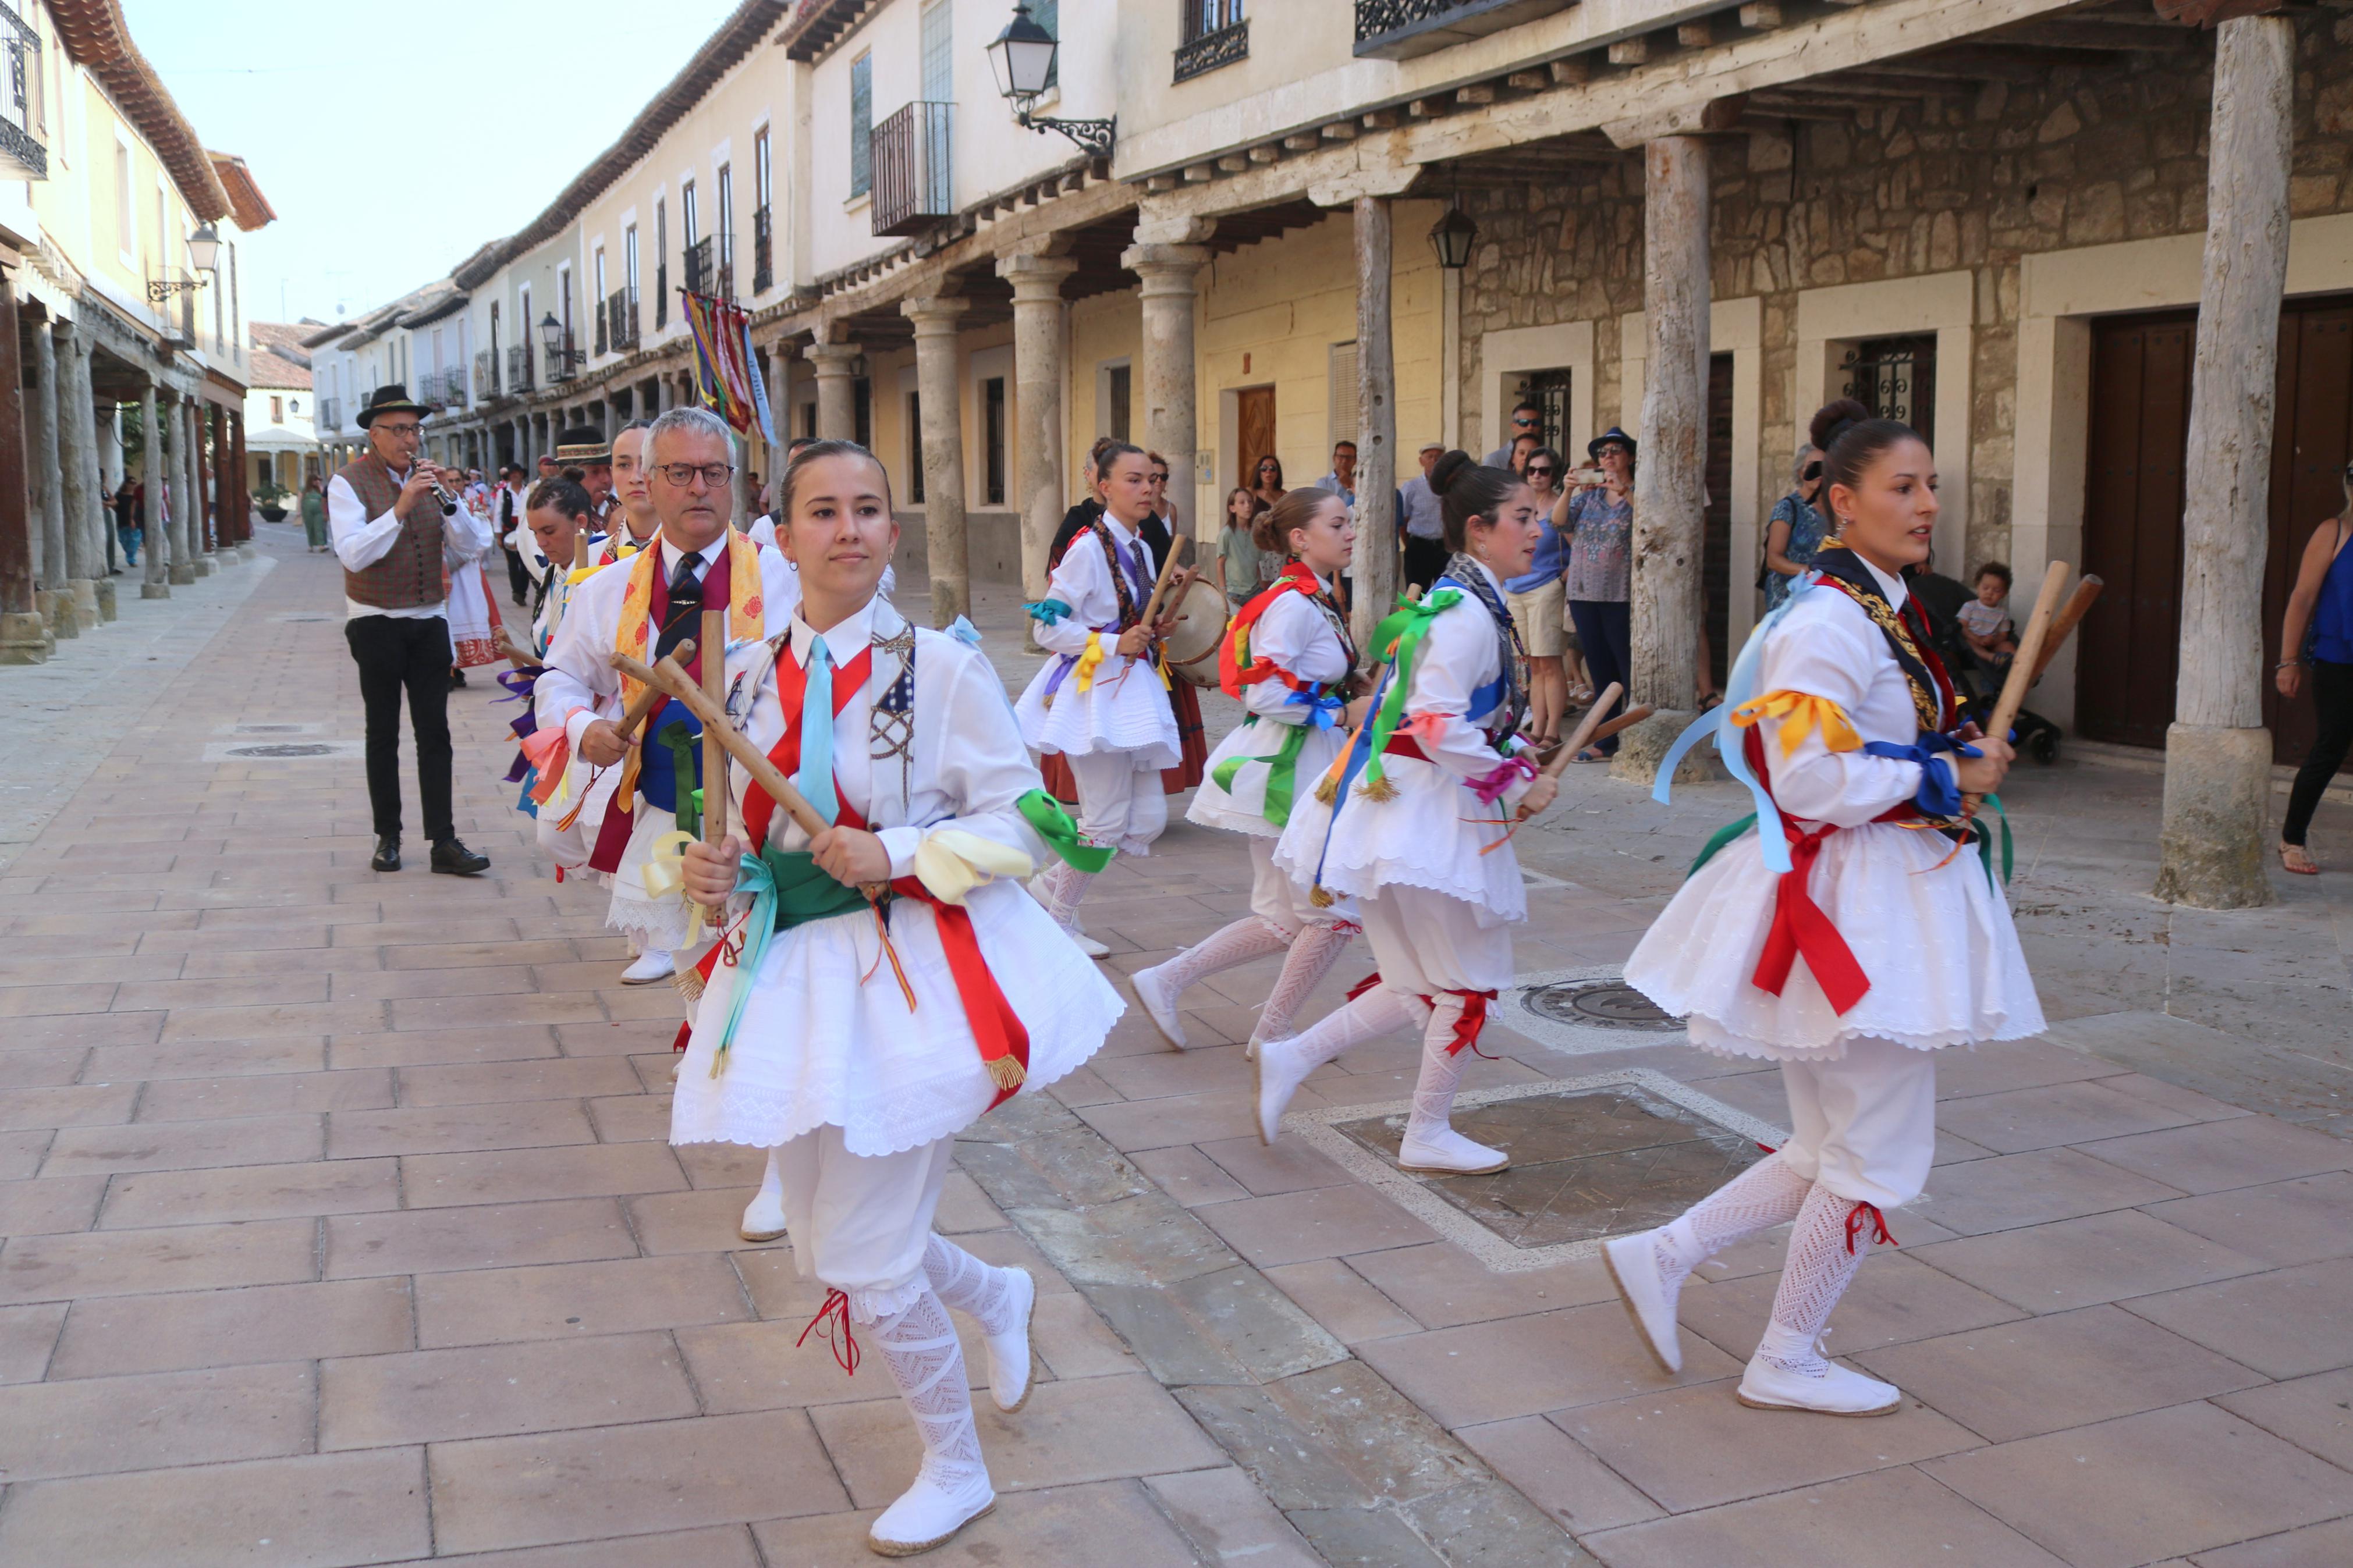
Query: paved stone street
[[341, 1226]]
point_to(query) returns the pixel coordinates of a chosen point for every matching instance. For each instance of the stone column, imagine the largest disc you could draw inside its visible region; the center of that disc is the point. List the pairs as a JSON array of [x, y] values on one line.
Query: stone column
[[837, 392], [155, 539], [776, 367], [1377, 566], [2217, 754], [1168, 273], [1671, 477], [188, 564], [48, 473], [1037, 318], [85, 551], [24, 635], [946, 549], [244, 485]]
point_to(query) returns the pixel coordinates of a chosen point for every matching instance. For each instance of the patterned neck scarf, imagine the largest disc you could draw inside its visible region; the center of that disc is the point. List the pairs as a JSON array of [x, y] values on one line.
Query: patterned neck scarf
[[1906, 631], [1471, 577]]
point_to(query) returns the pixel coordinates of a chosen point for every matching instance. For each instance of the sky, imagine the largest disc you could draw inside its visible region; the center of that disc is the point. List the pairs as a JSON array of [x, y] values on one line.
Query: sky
[[394, 139]]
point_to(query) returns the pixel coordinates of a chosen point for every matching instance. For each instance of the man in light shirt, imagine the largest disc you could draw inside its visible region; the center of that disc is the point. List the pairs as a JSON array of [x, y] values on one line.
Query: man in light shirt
[[1418, 515], [1528, 419], [1342, 480], [394, 537]]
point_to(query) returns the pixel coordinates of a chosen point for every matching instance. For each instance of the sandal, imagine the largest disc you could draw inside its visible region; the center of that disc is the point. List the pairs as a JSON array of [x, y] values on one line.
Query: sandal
[[1592, 754], [2296, 857]]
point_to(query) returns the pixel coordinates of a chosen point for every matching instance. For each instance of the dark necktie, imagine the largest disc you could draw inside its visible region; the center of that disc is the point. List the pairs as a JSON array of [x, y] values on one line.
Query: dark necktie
[[1132, 554], [685, 616]]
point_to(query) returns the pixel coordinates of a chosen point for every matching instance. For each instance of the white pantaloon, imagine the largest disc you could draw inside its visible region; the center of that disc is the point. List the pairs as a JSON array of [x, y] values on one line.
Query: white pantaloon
[[1426, 943], [1275, 898], [860, 1222], [1864, 1126], [1120, 799]]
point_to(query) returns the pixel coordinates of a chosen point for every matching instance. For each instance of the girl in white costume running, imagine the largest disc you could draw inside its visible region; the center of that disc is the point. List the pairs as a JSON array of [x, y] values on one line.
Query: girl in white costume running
[[1860, 865], [1287, 656], [1414, 820], [857, 1039]]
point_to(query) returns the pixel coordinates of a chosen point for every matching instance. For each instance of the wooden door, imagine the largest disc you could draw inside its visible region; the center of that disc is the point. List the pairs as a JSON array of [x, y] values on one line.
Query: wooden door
[[2308, 458], [2129, 646], [1715, 544], [1255, 434]]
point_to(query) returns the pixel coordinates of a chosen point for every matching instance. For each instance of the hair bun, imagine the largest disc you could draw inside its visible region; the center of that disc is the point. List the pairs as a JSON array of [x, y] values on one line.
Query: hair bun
[[1448, 468], [1834, 420]]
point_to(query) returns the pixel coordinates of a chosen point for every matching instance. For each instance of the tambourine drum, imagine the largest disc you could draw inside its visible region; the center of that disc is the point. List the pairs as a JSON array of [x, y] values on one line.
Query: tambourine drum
[[1192, 648]]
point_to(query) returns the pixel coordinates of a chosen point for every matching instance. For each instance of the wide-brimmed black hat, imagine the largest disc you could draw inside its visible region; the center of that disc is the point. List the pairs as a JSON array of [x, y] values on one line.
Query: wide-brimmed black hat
[[392, 397], [1593, 447], [581, 446]]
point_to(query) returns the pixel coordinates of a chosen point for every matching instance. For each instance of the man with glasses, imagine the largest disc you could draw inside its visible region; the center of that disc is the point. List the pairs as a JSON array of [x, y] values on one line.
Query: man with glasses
[[645, 606], [1528, 419], [396, 539], [1342, 480]]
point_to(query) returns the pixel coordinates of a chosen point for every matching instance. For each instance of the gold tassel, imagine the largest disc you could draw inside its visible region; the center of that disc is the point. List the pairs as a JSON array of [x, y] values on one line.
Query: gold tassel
[[1380, 789], [1328, 789], [718, 1061], [1007, 1072], [689, 983], [1321, 896]]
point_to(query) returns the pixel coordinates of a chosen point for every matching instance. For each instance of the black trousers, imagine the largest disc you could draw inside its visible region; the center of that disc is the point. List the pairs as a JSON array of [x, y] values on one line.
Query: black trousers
[[1424, 560], [2332, 698], [394, 653], [518, 578], [1605, 630]]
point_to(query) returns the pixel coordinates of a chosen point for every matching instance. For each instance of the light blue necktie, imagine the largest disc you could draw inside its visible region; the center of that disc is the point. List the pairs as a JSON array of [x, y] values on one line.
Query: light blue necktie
[[814, 778]]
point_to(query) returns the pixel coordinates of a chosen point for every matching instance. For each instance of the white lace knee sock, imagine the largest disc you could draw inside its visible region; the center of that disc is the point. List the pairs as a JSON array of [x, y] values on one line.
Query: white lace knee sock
[[1765, 1195], [919, 1345], [1252, 936], [981, 1292], [1369, 1016], [1821, 1264], [1441, 1070], [1312, 953], [1058, 888]]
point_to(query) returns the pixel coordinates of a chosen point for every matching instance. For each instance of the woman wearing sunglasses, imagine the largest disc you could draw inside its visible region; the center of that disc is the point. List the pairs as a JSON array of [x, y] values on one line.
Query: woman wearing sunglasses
[[1539, 603], [1794, 530]]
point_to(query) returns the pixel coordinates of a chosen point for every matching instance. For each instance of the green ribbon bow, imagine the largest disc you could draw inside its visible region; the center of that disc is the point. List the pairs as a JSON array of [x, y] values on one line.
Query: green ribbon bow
[[1052, 822], [1282, 773], [1398, 640]]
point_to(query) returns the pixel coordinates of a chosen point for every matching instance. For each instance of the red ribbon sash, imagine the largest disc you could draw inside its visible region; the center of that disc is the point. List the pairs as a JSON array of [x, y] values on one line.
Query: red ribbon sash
[[997, 1029], [792, 684]]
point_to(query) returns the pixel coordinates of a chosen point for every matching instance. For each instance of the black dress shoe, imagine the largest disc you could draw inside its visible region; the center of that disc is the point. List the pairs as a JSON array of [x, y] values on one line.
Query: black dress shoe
[[387, 853], [452, 859], [457, 678]]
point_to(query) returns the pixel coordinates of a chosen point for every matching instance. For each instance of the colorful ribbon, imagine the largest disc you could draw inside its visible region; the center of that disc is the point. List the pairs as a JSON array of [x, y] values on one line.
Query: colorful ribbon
[[952, 862], [1800, 715], [1047, 611], [1047, 818]]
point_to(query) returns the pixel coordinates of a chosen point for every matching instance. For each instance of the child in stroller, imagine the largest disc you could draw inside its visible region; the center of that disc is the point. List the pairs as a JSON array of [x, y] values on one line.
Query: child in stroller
[[1977, 680]]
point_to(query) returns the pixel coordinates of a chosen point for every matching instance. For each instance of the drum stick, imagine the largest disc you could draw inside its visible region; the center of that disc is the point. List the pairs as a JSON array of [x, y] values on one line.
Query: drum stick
[[1167, 570], [649, 695], [714, 756], [2079, 605], [1582, 736]]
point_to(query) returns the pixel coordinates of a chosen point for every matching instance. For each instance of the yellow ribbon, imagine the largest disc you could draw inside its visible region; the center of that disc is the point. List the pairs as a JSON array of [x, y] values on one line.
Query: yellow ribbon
[[1800, 713], [665, 874], [953, 862], [1090, 660]]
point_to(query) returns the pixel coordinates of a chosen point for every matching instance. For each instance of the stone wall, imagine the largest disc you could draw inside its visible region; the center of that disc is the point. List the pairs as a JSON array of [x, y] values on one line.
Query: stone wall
[[2083, 155]]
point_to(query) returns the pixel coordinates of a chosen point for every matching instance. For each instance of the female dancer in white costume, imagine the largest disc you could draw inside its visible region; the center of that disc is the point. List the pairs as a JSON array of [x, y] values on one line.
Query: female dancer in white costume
[[1861, 867], [856, 1040], [1414, 820], [1287, 656]]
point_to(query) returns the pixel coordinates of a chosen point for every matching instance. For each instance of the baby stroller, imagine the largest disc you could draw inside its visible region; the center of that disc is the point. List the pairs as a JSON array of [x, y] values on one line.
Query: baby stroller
[[1978, 685]]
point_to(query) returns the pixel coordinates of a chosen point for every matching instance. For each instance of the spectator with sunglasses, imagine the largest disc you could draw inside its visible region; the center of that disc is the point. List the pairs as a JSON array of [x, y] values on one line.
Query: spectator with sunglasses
[[1528, 419], [1794, 530], [1537, 599]]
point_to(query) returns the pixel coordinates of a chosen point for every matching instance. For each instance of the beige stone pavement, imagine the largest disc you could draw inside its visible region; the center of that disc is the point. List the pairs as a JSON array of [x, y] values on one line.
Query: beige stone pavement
[[340, 1228]]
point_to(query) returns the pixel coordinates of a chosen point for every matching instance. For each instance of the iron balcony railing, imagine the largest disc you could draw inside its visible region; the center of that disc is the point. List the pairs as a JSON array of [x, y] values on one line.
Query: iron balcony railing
[[620, 327], [331, 414], [602, 317], [914, 159], [705, 273], [22, 156], [1216, 34], [764, 260], [563, 364], [661, 295], [1400, 29], [519, 368]]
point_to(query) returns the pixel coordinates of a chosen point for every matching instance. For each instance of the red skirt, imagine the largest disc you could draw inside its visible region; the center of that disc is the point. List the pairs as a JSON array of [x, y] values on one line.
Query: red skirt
[[1193, 752]]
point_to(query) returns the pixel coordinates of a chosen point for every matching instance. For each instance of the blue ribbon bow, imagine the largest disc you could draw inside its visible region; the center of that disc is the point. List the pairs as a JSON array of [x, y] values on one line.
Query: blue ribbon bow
[[1940, 792], [1047, 611]]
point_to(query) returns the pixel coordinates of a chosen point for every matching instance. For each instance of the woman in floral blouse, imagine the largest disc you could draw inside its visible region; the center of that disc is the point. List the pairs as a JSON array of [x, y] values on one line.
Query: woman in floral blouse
[[1794, 530], [1598, 519]]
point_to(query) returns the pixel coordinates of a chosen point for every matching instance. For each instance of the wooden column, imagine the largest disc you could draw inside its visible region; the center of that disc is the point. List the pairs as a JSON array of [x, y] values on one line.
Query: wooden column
[[836, 393], [24, 635], [244, 510], [1376, 565], [185, 565], [1168, 275], [154, 540], [1038, 321], [947, 548], [2217, 753], [1670, 473]]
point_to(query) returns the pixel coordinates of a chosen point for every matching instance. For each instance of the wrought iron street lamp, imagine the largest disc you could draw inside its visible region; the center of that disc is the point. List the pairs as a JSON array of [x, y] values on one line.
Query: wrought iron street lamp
[[204, 253], [553, 340], [1023, 58], [1453, 236]]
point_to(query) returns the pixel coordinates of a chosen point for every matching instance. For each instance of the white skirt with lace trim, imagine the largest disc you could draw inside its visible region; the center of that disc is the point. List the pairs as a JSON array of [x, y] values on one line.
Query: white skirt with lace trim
[[1433, 833]]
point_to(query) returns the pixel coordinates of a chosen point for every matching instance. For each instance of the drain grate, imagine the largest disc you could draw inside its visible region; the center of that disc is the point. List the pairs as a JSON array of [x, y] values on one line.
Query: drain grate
[[284, 749], [1599, 1004], [1579, 1012]]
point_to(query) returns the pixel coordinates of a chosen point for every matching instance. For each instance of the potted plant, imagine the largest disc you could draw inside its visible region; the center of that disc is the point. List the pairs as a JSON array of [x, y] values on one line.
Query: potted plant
[[269, 496]]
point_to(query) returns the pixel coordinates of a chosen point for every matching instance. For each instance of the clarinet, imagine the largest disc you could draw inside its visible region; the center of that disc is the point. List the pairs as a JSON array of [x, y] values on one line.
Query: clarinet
[[448, 502]]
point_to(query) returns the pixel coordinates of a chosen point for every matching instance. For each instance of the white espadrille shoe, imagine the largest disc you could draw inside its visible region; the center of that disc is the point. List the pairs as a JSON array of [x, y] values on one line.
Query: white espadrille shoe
[[1159, 1004], [1790, 1373], [1633, 1265]]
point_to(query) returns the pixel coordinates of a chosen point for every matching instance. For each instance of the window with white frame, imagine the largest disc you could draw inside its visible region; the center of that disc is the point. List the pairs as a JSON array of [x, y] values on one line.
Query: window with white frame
[[861, 124]]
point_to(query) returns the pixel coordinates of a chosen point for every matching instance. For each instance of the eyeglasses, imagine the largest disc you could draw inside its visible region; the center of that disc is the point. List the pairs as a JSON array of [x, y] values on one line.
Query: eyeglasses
[[1541, 470], [682, 475], [1526, 421], [1814, 472], [400, 432], [1160, 477]]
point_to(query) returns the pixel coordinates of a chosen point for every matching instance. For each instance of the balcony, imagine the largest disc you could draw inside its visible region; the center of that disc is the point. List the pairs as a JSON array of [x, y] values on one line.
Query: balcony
[[486, 373], [443, 389], [764, 252], [331, 414], [661, 295], [1400, 29], [913, 162], [563, 362], [519, 368], [599, 349], [22, 156], [618, 329], [704, 275], [1216, 34]]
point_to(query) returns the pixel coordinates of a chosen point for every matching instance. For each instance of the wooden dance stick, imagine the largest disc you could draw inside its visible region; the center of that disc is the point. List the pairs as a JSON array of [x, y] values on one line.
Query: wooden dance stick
[[515, 653], [2027, 662], [1584, 734], [714, 754], [649, 695], [2078, 605], [1160, 588], [579, 551]]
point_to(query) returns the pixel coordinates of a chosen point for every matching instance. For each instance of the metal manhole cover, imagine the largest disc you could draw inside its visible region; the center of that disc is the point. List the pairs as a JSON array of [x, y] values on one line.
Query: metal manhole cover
[[1599, 1004], [271, 728], [282, 750]]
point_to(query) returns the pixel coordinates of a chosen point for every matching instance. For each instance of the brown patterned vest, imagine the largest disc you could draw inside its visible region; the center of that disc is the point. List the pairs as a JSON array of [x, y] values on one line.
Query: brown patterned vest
[[408, 575]]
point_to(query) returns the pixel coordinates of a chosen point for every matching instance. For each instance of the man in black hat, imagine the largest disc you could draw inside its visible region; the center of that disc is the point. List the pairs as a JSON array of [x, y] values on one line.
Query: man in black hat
[[395, 536]]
